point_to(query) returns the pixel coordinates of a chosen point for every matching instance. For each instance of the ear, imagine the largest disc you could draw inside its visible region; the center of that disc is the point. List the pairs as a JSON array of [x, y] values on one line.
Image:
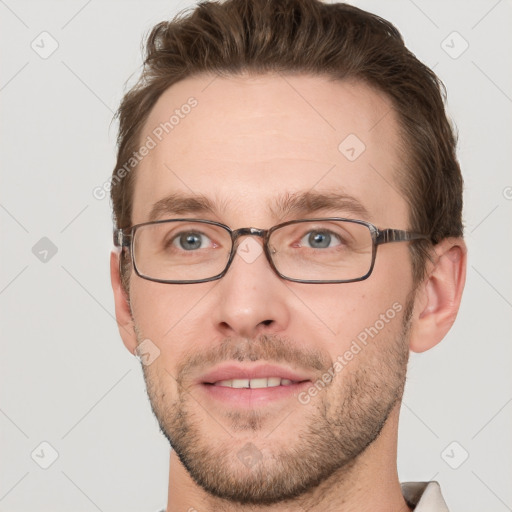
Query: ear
[[122, 306], [438, 296]]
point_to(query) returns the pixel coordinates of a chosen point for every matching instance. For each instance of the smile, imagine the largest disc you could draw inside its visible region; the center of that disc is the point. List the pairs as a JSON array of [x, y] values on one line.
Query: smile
[[259, 383]]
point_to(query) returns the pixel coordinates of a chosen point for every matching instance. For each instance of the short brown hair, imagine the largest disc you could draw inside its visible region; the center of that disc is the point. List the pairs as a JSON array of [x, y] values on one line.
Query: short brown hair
[[307, 36]]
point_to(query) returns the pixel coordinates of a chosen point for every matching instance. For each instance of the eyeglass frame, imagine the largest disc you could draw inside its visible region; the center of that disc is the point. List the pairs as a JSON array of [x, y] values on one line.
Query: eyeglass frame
[[124, 238]]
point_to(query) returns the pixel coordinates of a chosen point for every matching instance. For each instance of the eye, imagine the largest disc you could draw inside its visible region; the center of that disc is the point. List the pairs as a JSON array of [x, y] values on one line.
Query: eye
[[320, 239], [190, 241]]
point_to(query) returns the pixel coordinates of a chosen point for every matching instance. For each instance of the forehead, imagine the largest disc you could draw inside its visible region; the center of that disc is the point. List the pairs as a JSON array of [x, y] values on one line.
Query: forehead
[[247, 142]]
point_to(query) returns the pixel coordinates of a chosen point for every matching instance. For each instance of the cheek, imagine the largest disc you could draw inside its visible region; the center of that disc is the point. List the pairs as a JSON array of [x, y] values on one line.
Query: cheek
[[346, 310], [167, 314], [156, 314], [353, 309]]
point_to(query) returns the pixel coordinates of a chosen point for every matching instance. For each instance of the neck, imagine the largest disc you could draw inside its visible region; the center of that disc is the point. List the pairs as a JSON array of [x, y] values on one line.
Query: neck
[[370, 483]]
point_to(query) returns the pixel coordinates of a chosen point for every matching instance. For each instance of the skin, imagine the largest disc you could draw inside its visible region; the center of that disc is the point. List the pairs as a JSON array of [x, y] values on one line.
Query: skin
[[249, 140]]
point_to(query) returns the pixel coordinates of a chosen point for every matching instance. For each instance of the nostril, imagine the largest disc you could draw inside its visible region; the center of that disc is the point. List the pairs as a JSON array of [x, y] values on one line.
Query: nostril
[[267, 322]]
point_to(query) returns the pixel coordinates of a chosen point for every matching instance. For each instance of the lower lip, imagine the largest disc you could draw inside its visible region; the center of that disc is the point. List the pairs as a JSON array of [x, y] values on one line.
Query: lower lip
[[249, 397]]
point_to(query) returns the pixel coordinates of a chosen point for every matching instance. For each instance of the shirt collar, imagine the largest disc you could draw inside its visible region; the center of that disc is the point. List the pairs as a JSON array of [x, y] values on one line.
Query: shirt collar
[[424, 496]]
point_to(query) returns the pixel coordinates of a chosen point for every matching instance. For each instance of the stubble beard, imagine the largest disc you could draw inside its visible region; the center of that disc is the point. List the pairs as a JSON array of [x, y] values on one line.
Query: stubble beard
[[335, 428]]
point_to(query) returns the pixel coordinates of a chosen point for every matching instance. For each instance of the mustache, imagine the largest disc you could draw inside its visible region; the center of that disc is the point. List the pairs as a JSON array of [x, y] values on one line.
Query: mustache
[[270, 348]]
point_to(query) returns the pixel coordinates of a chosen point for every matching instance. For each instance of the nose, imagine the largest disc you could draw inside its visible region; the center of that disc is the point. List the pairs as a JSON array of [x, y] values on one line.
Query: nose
[[250, 299]]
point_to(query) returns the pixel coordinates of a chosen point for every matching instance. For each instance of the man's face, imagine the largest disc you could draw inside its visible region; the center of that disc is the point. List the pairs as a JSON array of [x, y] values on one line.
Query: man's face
[[248, 143]]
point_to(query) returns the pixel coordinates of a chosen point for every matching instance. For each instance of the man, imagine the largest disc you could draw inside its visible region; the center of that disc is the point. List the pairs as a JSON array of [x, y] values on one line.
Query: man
[[288, 205]]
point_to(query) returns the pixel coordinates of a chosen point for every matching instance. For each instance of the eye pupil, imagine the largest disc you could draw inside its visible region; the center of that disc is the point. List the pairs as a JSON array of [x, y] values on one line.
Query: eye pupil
[[190, 241], [318, 239]]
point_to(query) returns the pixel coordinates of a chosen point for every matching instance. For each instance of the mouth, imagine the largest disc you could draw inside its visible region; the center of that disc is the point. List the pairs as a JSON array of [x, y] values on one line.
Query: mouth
[[253, 393], [250, 386], [259, 383]]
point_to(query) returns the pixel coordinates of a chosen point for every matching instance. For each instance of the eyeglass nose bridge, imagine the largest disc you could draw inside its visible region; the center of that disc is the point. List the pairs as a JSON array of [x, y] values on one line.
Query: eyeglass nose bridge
[[237, 233], [250, 231]]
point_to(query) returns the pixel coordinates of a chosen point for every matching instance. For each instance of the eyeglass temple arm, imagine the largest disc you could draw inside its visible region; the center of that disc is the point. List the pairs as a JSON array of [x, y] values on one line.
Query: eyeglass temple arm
[[397, 235], [121, 239]]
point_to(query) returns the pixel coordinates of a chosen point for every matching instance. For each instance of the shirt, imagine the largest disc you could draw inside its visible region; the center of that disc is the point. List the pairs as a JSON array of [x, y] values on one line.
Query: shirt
[[424, 496], [421, 497]]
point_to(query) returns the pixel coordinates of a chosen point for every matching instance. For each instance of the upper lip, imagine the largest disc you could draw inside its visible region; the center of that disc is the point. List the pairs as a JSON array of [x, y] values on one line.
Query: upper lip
[[231, 371]]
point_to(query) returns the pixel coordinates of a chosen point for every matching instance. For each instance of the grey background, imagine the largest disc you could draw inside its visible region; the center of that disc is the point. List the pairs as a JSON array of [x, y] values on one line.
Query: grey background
[[65, 376]]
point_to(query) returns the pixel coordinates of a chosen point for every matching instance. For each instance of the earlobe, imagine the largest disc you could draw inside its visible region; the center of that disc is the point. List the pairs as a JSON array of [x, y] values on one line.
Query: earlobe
[[122, 306], [438, 296]]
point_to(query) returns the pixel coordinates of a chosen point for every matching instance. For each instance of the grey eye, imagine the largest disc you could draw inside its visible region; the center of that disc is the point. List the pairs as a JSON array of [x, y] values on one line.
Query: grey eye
[[190, 241], [319, 239]]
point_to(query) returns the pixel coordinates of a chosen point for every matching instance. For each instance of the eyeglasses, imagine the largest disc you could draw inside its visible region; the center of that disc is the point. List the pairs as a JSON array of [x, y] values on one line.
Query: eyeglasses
[[325, 250]]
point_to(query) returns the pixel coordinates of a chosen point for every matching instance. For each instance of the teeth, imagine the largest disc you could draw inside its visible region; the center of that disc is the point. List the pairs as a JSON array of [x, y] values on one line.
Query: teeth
[[260, 383], [240, 383], [264, 382]]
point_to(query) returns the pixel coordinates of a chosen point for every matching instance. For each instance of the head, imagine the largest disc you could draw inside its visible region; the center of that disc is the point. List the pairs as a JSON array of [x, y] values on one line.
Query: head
[[253, 113]]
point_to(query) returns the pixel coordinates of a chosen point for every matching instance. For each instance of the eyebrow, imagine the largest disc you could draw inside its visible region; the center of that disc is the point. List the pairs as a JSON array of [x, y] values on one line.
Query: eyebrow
[[288, 205], [310, 202]]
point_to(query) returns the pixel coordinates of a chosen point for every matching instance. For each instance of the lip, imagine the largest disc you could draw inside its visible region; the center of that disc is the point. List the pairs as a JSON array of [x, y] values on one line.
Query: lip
[[231, 371], [248, 398]]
